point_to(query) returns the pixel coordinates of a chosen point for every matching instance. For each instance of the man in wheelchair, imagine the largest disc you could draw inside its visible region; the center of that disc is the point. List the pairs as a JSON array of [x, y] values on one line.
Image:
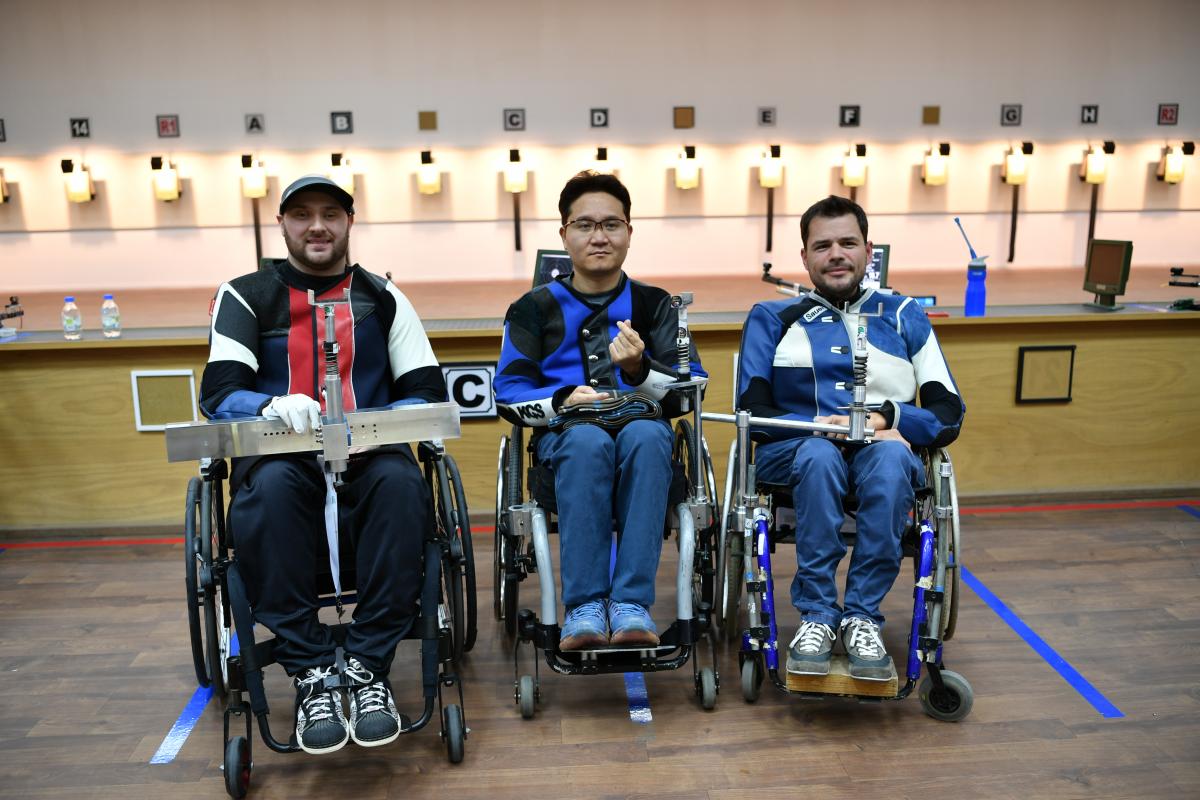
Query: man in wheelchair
[[588, 339], [266, 359], [796, 363]]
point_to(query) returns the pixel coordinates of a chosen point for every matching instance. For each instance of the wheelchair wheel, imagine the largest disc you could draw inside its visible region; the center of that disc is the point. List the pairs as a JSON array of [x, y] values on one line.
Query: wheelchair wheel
[[950, 611], [462, 532], [237, 766], [191, 580], [953, 702], [216, 642], [500, 526], [696, 458], [455, 732], [507, 587], [752, 678], [527, 696], [729, 558], [706, 688]]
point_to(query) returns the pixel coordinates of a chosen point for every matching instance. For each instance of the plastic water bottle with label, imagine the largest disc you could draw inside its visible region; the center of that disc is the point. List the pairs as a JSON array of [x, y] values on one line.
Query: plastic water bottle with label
[[72, 320], [110, 318]]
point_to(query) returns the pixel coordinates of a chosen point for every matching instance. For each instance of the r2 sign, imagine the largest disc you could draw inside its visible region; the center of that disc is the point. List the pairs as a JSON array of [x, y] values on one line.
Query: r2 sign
[[470, 386]]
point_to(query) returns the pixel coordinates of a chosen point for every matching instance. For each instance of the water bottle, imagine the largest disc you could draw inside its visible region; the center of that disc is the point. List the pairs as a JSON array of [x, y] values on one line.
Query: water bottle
[[72, 320], [110, 318], [976, 299]]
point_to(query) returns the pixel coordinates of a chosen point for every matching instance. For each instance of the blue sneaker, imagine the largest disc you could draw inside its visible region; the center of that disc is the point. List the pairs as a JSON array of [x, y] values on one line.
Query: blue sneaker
[[585, 627], [631, 625]]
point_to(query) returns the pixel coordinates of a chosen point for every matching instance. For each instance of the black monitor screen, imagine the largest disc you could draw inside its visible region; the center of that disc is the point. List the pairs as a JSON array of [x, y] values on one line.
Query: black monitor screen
[[549, 265], [876, 273], [1107, 267]]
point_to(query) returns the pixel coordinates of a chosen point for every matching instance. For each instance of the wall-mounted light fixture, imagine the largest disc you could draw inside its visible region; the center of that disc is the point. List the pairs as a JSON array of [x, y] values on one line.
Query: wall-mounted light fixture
[[429, 178], [516, 177], [166, 179], [602, 164], [341, 173], [254, 178], [3, 188], [935, 168], [854, 167], [1015, 169], [1094, 168], [78, 182], [770, 168], [687, 169], [1170, 166]]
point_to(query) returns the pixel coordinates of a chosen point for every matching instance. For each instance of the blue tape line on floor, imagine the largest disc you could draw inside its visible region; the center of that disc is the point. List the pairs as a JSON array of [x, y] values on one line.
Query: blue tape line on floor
[[639, 700], [1060, 665], [1195, 512], [182, 728]]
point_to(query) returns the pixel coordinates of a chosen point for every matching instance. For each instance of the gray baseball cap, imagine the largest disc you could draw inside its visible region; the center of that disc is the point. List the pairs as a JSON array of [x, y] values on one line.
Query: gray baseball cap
[[316, 183]]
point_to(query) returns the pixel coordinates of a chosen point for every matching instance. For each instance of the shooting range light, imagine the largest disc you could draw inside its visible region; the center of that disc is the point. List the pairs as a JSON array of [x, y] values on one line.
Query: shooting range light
[[341, 173], [602, 164], [854, 166], [78, 182], [687, 170], [516, 178], [936, 168], [1015, 169], [429, 179], [166, 179], [1170, 166], [3, 188], [770, 168], [254, 178], [1094, 168]]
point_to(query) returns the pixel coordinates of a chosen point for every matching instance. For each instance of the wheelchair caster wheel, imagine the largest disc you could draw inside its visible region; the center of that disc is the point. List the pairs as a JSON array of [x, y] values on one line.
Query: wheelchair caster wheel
[[751, 679], [707, 689], [526, 696], [950, 704], [237, 767], [452, 720]]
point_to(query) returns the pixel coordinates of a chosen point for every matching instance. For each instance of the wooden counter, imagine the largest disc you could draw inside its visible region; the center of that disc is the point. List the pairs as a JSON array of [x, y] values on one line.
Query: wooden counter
[[71, 457]]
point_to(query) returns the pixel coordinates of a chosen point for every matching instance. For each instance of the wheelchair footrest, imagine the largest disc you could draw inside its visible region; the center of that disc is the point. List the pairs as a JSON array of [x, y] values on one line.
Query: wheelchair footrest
[[838, 681]]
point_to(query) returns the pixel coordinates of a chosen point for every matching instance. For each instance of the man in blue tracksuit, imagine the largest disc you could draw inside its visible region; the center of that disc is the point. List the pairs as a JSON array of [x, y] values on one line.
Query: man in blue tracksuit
[[588, 336], [796, 363]]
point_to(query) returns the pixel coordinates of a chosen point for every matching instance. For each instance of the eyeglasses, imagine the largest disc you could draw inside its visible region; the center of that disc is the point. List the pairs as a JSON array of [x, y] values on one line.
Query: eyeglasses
[[586, 227]]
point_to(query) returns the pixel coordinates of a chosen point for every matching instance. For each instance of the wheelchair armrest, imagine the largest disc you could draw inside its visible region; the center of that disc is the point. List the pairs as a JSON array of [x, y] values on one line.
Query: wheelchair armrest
[[216, 469], [430, 451]]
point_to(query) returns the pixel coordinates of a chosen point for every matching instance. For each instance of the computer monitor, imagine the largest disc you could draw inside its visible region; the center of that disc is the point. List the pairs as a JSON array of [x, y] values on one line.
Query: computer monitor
[[549, 264], [876, 275], [1106, 272]]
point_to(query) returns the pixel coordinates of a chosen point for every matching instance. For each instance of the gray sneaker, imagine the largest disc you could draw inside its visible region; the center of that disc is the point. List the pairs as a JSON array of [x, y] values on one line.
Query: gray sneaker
[[811, 647], [869, 660]]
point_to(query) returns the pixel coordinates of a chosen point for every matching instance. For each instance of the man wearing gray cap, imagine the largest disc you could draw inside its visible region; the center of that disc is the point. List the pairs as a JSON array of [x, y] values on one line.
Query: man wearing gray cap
[[266, 359]]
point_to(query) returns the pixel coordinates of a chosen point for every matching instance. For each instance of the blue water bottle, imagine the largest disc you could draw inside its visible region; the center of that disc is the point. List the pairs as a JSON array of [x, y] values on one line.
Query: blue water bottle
[[975, 302], [976, 299]]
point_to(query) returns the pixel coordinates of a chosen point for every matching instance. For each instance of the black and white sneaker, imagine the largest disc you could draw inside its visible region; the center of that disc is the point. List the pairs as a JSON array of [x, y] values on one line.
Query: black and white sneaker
[[869, 660], [373, 717], [320, 720]]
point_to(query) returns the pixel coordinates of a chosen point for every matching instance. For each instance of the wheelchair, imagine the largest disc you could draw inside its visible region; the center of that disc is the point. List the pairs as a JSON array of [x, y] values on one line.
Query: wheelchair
[[229, 658], [521, 548], [759, 516]]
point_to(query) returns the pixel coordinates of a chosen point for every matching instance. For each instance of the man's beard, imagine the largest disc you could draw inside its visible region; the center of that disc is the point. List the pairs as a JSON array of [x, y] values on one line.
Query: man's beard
[[335, 255]]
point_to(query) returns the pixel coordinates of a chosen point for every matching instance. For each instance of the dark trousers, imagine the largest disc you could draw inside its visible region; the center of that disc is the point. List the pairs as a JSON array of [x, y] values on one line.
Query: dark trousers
[[277, 521]]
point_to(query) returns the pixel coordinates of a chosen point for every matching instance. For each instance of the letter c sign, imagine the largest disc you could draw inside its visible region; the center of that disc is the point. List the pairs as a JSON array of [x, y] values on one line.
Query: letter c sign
[[470, 386]]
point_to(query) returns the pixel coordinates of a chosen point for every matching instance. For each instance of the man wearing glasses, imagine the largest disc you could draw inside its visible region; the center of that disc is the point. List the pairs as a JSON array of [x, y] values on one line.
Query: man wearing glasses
[[589, 336]]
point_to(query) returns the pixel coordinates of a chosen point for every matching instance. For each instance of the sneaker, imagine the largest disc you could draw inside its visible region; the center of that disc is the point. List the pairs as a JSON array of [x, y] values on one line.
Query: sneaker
[[585, 627], [631, 625], [320, 720], [869, 660], [374, 720], [811, 649]]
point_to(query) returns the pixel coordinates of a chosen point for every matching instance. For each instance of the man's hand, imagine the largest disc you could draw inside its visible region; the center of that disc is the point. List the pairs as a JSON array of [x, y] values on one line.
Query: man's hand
[[626, 350], [584, 394], [892, 434], [298, 410], [875, 421]]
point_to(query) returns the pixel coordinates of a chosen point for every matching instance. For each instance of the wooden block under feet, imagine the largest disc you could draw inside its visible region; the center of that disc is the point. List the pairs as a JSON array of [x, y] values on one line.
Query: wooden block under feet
[[838, 681]]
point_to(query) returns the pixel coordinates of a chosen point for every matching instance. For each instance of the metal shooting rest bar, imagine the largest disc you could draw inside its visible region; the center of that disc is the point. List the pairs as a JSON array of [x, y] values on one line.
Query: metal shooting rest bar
[[258, 436]]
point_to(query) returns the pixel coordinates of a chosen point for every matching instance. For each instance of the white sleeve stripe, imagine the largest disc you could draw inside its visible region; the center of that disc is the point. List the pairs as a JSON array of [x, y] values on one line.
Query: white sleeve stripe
[[654, 384], [930, 365], [223, 348], [534, 412], [408, 346]]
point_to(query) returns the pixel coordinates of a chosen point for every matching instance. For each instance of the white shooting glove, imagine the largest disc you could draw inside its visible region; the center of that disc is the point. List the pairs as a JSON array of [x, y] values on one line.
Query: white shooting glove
[[298, 410]]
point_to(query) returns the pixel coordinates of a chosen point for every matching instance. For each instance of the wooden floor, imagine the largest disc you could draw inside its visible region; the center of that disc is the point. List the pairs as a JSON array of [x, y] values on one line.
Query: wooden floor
[[95, 669]]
